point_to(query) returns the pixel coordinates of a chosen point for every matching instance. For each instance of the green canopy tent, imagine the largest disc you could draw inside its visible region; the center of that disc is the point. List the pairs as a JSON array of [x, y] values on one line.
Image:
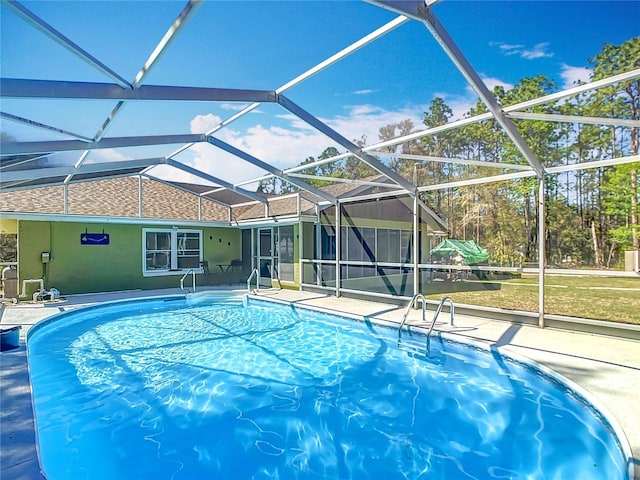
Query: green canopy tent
[[470, 251]]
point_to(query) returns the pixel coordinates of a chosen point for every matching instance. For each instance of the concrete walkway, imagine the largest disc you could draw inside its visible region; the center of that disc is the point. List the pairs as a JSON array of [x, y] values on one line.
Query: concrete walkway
[[606, 367]]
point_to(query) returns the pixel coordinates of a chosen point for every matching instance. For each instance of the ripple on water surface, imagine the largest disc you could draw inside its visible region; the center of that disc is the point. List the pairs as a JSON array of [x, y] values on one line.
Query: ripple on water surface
[[171, 390]]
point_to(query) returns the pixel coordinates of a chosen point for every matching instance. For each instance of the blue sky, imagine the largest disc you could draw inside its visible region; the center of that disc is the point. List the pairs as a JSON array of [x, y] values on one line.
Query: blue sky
[[251, 44]]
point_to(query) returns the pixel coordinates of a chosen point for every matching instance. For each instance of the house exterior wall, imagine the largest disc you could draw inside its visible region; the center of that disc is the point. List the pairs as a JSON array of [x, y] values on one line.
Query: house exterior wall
[[76, 268], [8, 226]]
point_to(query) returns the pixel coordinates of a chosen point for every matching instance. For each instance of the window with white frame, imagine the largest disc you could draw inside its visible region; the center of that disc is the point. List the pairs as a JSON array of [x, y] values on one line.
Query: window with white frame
[[170, 250]]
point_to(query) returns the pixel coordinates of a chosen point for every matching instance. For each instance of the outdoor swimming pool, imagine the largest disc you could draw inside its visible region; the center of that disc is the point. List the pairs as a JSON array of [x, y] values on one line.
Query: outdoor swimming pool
[[186, 388]]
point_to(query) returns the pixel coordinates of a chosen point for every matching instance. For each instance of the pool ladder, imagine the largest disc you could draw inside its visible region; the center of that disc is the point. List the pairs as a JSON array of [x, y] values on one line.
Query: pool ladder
[[193, 280], [419, 296], [255, 273]]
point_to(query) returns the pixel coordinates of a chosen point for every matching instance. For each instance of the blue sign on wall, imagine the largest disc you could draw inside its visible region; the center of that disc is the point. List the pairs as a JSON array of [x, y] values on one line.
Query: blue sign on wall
[[94, 238]]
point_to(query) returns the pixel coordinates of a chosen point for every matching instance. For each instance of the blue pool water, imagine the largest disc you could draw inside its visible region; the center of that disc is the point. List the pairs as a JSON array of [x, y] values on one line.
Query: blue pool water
[[180, 389]]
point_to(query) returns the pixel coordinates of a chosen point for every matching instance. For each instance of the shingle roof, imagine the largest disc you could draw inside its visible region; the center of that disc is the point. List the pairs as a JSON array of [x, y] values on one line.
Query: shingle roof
[[115, 197], [37, 200], [120, 197]]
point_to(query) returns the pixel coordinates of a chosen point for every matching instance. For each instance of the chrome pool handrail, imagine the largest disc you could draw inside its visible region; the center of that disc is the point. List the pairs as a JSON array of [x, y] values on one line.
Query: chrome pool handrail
[[438, 310], [193, 275], [406, 313], [418, 296], [255, 272]]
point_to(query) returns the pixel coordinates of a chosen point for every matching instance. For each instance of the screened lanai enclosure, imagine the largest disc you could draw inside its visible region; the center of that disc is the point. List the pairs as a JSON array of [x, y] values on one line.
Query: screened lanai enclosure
[[91, 137]]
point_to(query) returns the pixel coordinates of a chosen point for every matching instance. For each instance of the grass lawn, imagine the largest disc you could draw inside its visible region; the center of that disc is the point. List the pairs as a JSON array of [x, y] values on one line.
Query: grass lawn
[[601, 298]]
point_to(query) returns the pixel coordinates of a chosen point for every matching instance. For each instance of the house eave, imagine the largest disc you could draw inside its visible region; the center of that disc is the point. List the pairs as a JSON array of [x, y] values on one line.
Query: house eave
[[55, 217]]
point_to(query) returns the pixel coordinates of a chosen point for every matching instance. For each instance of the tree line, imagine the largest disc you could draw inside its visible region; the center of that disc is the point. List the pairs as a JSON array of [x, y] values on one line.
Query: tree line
[[591, 214]]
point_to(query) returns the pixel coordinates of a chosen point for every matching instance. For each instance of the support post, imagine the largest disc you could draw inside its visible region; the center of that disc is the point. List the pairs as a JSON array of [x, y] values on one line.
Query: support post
[[255, 249], [416, 249], [318, 256], [541, 250], [338, 246], [140, 209], [65, 198], [300, 251]]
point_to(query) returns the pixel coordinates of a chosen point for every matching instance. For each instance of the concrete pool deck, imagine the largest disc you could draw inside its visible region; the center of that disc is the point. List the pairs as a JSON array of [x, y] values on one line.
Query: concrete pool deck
[[606, 367]]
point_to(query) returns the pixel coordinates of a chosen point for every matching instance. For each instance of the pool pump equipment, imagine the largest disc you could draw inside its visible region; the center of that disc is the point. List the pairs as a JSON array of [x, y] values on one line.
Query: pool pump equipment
[[41, 294], [46, 295]]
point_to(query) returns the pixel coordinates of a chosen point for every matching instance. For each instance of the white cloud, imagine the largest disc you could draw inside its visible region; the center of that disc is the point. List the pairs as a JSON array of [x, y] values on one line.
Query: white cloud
[[296, 122], [366, 109], [234, 107], [209, 159], [539, 50], [283, 145], [106, 155], [171, 174], [491, 83], [288, 140], [572, 76], [506, 48], [223, 165], [204, 123], [364, 92]]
